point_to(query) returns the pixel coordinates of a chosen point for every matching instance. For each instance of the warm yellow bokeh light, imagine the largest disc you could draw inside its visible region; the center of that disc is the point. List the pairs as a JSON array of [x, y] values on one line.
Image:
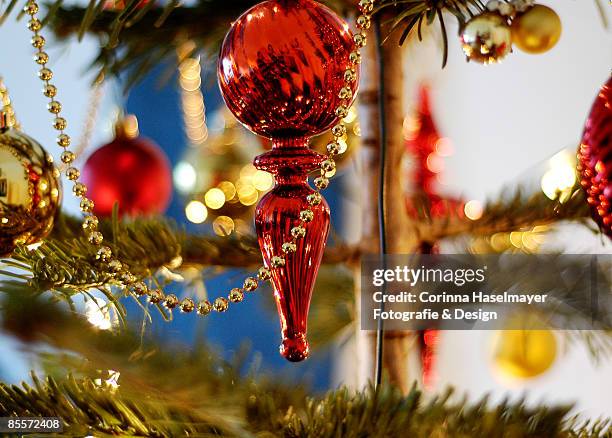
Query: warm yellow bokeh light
[[247, 194], [247, 172], [516, 239], [228, 189], [435, 163], [263, 181], [214, 198], [444, 147], [473, 210], [352, 115], [342, 145], [411, 127], [561, 175], [196, 212], [223, 226], [500, 241]]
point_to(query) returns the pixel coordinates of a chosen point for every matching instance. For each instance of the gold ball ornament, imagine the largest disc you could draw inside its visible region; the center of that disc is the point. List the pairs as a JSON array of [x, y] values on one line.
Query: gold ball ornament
[[30, 189], [486, 38], [524, 353], [536, 30]]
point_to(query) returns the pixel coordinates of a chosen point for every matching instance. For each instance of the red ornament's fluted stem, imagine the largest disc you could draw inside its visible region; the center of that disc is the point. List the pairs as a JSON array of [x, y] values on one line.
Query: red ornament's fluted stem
[[278, 213]]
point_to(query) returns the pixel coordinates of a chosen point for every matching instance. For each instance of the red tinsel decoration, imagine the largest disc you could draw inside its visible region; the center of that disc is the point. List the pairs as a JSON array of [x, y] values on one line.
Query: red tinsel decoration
[[427, 148]]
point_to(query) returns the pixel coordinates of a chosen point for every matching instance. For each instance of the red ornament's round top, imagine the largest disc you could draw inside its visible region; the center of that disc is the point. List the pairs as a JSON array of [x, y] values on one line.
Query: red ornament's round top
[[131, 171], [282, 65]]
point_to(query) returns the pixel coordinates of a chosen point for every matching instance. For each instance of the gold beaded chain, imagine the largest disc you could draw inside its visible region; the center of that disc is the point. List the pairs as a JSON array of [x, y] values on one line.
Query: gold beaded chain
[[94, 103], [90, 224], [328, 166]]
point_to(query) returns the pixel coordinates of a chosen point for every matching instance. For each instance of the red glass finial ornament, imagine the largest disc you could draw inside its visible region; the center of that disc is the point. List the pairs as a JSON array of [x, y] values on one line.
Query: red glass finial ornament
[[281, 68], [595, 159]]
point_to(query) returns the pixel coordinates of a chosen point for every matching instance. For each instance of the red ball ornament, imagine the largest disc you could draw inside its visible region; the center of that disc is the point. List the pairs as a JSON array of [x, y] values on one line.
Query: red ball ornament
[[281, 68], [130, 170], [595, 159]]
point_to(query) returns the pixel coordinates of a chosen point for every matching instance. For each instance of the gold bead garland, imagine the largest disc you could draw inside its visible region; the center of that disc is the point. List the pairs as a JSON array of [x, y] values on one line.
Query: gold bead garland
[[90, 224]]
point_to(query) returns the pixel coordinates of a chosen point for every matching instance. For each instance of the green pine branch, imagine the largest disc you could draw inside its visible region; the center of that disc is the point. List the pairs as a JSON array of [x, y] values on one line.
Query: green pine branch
[[87, 408], [66, 265], [144, 34], [167, 391], [506, 214]]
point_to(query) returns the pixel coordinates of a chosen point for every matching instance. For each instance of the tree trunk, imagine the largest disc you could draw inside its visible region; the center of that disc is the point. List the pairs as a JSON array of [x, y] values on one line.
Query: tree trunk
[[399, 238]]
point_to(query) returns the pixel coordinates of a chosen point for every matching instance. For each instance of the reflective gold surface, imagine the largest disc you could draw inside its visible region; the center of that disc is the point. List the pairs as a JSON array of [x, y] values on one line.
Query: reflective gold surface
[[486, 38], [537, 30], [30, 190]]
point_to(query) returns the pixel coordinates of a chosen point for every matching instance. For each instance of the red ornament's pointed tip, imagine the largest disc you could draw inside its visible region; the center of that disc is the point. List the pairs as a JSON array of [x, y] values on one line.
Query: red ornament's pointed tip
[[295, 349]]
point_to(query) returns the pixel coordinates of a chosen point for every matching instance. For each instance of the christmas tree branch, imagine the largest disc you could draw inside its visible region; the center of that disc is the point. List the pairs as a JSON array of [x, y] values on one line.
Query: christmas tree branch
[[86, 408], [140, 35], [67, 263], [65, 266], [518, 212], [161, 390]]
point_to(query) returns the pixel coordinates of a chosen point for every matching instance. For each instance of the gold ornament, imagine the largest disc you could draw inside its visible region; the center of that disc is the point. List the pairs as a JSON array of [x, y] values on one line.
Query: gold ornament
[[289, 247], [524, 353], [140, 289], [171, 301], [187, 305], [264, 274], [221, 305], [30, 189], [250, 284], [486, 38], [204, 308], [236, 295], [536, 30], [155, 296]]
